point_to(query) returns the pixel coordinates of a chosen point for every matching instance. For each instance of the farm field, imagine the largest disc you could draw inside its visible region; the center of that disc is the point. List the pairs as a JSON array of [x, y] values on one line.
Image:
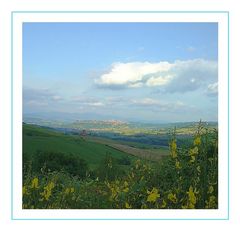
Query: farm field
[[135, 149]]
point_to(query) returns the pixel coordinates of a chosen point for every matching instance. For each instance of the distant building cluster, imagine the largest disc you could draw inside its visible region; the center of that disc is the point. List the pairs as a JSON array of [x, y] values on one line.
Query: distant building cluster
[[83, 133]]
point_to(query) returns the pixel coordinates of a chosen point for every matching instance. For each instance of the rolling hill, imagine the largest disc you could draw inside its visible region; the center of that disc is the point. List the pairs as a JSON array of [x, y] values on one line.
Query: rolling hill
[[36, 138]]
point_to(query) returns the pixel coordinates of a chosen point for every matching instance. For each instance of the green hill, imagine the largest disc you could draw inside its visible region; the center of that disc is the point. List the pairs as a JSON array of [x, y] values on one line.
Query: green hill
[[37, 138]]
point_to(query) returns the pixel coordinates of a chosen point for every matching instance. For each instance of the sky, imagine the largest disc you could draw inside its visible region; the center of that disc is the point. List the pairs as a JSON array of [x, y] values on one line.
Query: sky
[[147, 72]]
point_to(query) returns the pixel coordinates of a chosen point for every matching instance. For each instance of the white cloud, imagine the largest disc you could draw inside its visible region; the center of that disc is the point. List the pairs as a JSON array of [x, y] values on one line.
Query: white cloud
[[39, 97], [95, 104], [146, 101], [178, 76], [87, 101], [35, 100], [159, 105], [56, 97], [212, 89], [159, 81], [127, 74]]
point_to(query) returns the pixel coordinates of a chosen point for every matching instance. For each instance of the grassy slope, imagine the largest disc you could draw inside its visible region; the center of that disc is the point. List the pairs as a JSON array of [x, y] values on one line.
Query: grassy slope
[[133, 148], [37, 138]]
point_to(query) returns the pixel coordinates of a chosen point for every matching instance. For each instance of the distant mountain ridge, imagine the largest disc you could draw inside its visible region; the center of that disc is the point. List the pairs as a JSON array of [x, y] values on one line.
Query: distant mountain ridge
[[118, 126]]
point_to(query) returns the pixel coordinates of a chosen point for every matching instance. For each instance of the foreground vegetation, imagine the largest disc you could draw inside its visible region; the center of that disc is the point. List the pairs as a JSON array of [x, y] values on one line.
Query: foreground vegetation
[[187, 179]]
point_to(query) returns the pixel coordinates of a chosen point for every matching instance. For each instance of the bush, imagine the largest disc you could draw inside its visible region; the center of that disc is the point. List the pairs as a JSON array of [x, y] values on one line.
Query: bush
[[56, 161]]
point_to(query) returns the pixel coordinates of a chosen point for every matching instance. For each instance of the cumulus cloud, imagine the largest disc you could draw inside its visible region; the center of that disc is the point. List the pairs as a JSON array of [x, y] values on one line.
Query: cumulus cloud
[[159, 81], [178, 76], [130, 74]]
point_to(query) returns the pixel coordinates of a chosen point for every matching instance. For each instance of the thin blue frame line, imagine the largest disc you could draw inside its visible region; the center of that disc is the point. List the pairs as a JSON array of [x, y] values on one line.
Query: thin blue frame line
[[12, 115], [116, 219], [116, 12], [12, 14], [228, 115]]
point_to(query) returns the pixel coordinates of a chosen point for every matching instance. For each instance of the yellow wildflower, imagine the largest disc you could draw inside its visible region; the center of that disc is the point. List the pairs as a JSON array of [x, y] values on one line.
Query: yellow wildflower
[[153, 195], [69, 190], [164, 204], [48, 190], [128, 206], [172, 197], [177, 165], [191, 198], [34, 183], [197, 141], [24, 190], [173, 148], [125, 184], [192, 159], [193, 151], [114, 192]]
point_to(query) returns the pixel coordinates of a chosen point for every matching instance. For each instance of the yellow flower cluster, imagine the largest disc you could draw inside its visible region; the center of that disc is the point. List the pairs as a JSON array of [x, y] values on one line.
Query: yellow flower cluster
[[177, 164], [197, 141], [69, 190], [193, 152], [192, 200], [173, 148], [153, 195], [24, 190], [48, 191], [128, 206], [116, 188], [34, 183], [172, 197]]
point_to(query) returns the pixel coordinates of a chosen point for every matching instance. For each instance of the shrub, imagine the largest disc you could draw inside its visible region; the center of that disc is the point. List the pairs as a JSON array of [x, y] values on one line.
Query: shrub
[[56, 161]]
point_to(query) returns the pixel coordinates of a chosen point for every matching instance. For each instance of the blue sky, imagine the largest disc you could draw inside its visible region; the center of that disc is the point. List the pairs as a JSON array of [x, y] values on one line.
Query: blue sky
[[160, 72]]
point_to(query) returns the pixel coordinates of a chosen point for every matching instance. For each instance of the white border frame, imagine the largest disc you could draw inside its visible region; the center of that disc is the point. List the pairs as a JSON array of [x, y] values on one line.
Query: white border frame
[[19, 17]]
